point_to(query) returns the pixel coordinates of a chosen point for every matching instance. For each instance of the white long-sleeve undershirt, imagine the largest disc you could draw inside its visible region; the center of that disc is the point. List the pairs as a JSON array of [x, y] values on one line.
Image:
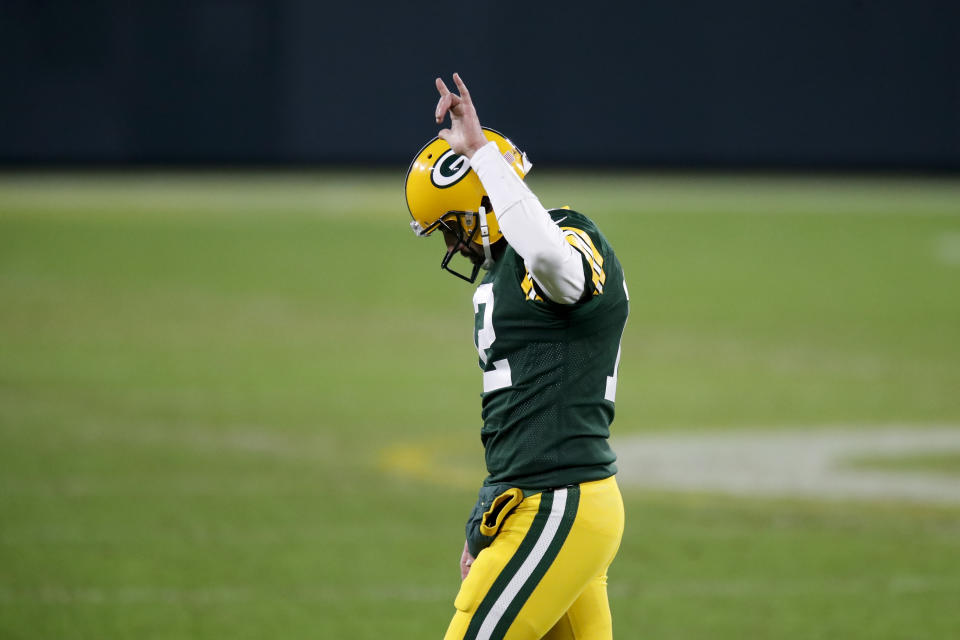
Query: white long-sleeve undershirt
[[554, 264]]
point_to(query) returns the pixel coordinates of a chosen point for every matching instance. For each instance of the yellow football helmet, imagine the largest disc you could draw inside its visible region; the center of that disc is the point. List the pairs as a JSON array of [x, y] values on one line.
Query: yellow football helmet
[[442, 190]]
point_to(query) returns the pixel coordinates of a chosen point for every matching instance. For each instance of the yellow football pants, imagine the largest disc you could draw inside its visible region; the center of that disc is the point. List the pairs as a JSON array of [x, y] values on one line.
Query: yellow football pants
[[545, 575]]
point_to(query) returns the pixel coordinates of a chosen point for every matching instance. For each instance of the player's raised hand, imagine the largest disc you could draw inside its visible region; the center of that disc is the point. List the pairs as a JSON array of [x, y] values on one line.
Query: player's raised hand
[[465, 136]]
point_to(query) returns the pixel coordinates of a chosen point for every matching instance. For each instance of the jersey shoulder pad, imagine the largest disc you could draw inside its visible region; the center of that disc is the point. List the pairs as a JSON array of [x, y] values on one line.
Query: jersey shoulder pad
[[583, 235]]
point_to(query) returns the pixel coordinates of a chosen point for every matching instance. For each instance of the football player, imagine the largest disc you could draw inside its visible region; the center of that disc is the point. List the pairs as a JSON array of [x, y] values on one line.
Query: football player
[[549, 315]]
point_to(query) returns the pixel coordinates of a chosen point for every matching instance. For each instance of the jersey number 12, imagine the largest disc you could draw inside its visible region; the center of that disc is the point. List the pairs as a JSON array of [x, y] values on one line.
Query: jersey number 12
[[484, 335]]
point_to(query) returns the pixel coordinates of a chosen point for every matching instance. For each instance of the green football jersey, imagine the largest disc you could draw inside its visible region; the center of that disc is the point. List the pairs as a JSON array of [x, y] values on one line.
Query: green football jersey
[[550, 369]]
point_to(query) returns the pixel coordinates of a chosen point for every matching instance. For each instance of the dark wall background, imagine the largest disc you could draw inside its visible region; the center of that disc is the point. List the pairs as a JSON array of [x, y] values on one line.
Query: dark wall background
[[818, 83]]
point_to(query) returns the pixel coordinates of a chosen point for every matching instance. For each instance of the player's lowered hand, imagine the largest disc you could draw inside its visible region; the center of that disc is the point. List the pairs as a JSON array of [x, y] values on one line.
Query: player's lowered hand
[[465, 136], [466, 561]]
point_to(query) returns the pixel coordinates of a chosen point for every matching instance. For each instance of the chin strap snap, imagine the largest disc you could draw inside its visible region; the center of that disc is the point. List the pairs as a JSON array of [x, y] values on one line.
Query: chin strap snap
[[485, 237]]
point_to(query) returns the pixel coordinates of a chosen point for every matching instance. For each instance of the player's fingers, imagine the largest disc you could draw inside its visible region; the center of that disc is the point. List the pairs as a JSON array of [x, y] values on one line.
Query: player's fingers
[[442, 87], [444, 134], [461, 87], [444, 104]]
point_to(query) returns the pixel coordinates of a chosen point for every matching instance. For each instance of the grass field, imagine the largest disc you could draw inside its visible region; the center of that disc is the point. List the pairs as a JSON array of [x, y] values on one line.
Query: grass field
[[218, 393]]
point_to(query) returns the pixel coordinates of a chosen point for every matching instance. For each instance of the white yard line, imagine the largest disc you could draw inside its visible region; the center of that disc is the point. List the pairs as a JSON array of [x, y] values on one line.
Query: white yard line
[[798, 462], [947, 248]]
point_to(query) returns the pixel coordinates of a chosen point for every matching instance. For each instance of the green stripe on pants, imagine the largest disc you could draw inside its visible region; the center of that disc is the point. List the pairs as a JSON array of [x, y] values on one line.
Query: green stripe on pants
[[553, 549], [526, 568]]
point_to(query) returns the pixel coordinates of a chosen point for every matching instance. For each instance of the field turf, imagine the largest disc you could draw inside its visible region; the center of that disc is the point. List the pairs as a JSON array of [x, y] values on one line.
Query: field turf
[[218, 392]]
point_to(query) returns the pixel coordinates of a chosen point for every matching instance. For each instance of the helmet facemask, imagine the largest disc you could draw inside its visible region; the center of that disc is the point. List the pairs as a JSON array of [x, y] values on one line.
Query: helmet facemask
[[464, 226]]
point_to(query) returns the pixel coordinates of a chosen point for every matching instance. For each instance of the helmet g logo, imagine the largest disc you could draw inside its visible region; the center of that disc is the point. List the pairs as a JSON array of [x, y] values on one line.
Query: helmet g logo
[[449, 169]]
